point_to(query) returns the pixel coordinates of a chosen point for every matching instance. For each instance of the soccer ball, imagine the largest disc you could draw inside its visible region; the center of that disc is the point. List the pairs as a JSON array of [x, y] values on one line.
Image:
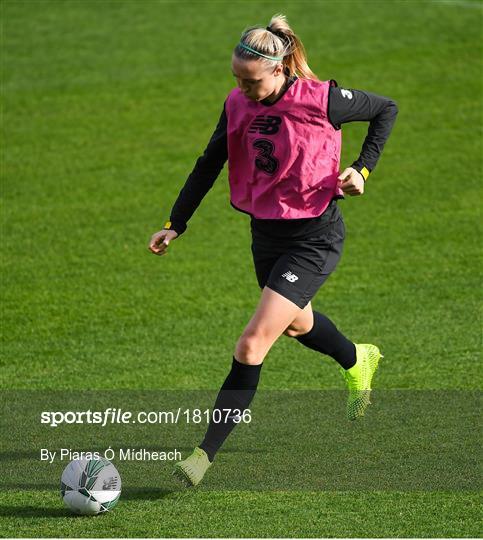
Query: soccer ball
[[90, 486]]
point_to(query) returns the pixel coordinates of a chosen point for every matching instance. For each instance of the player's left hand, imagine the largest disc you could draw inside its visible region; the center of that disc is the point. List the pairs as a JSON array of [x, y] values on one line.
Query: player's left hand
[[351, 182]]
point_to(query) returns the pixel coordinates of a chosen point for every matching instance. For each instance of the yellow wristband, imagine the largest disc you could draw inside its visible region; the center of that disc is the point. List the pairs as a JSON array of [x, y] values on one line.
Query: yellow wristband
[[365, 172], [167, 225]]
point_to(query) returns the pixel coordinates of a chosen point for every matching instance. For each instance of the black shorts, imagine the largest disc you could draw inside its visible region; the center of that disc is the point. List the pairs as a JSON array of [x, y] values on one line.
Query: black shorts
[[295, 257]]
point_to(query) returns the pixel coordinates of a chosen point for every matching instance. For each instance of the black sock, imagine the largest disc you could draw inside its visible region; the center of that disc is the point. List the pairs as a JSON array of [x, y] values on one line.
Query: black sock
[[236, 393], [325, 338]]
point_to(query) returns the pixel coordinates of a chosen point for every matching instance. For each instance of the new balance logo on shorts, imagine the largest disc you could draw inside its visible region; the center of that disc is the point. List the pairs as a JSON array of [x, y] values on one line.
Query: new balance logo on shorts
[[290, 277]]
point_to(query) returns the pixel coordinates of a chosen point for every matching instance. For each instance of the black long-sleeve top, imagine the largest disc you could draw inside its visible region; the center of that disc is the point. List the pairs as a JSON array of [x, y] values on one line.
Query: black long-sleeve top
[[344, 105]]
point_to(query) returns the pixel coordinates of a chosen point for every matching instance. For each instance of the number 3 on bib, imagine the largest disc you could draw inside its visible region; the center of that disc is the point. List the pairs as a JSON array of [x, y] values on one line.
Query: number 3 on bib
[[265, 159]]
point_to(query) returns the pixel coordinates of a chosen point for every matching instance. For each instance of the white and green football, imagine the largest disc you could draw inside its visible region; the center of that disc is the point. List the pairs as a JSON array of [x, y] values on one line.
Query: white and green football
[[90, 486]]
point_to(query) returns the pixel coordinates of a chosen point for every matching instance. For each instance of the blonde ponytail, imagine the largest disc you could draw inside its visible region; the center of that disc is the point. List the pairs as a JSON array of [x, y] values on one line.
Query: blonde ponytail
[[276, 40]]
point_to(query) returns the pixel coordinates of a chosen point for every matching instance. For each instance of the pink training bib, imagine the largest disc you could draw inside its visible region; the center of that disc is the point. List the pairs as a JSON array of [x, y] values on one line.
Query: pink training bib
[[283, 159]]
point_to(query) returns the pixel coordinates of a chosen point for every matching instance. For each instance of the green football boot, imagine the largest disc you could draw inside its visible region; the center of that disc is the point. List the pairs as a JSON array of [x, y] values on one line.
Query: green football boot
[[191, 470], [359, 378]]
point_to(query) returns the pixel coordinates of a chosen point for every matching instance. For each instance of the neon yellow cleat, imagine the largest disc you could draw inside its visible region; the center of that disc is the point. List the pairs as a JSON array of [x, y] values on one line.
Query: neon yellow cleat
[[191, 470], [359, 378]]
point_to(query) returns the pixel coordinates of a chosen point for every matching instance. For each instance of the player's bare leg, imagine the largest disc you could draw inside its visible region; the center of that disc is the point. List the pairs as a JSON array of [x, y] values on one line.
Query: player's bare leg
[[302, 323], [273, 315]]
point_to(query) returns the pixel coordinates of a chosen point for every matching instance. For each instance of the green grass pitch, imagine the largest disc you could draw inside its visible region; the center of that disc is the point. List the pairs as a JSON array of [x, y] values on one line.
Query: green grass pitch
[[105, 107]]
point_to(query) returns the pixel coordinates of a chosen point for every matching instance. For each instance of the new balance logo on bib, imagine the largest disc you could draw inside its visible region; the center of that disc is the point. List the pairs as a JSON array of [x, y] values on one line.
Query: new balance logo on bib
[[290, 277]]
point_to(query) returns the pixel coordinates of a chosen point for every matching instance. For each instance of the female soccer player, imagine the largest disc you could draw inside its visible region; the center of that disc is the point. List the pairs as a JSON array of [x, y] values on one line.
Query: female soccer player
[[280, 131]]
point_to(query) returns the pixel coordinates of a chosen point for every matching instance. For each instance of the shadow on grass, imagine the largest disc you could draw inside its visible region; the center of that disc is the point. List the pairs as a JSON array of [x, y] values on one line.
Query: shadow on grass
[[131, 492], [145, 494], [34, 512]]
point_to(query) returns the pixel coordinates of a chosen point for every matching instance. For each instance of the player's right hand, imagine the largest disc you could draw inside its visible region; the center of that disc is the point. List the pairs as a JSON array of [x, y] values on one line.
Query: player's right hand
[[160, 241]]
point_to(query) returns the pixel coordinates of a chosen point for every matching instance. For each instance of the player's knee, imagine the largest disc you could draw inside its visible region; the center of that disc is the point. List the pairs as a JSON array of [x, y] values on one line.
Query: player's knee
[[251, 347], [290, 332], [296, 329]]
